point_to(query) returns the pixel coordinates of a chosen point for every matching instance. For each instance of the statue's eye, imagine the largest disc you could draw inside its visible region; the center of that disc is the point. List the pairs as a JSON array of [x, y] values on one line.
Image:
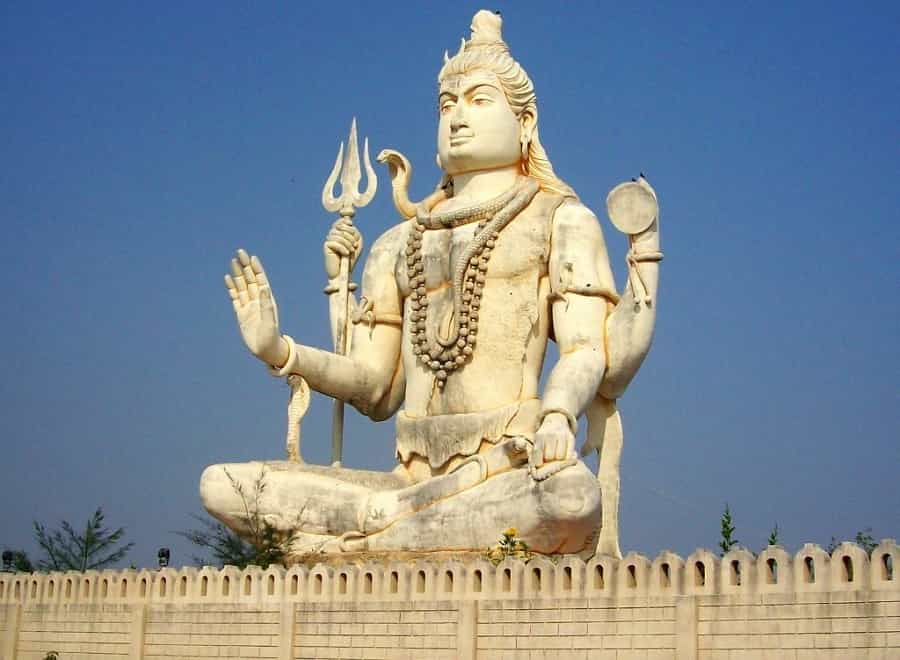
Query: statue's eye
[[482, 100], [446, 107]]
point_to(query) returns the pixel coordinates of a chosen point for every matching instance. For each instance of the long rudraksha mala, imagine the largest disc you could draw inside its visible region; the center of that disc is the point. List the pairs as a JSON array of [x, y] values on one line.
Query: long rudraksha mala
[[445, 355]]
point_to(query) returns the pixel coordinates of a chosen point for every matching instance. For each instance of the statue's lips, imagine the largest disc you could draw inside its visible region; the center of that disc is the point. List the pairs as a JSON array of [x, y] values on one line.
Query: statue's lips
[[457, 140]]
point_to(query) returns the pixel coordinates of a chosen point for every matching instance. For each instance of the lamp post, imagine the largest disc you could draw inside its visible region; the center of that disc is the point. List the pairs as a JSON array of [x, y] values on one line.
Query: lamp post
[[163, 557], [7, 561]]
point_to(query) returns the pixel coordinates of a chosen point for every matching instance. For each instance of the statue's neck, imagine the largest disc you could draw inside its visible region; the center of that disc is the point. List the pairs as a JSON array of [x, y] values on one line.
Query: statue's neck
[[481, 186]]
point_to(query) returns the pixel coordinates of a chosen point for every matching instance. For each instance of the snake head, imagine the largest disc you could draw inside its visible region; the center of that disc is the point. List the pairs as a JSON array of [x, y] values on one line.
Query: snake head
[[397, 163]]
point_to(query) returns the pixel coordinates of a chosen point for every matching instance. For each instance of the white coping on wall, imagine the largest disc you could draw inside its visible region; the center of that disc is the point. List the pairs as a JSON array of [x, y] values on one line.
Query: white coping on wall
[[703, 573]]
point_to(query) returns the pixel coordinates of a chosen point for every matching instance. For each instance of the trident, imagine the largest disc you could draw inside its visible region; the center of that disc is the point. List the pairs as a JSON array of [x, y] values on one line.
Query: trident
[[346, 204]]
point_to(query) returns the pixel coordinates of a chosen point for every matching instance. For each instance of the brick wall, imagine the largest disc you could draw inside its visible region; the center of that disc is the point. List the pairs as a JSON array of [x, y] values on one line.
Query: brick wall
[[75, 631], [571, 628], [373, 631], [820, 626], [775, 605], [184, 633]]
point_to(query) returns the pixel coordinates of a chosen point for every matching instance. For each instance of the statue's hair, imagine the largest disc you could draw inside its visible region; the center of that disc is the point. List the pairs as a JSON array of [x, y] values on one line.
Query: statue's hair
[[487, 50]]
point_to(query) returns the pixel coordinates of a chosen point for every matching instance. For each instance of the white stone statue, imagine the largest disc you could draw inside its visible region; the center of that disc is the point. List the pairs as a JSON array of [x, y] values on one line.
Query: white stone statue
[[458, 302]]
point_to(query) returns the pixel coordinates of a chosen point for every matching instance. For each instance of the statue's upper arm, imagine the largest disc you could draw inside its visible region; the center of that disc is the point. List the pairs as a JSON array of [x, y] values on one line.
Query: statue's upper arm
[[580, 277], [376, 334], [379, 282]]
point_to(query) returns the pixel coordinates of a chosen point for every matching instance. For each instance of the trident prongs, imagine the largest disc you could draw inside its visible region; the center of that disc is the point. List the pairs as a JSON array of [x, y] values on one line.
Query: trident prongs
[[350, 198]]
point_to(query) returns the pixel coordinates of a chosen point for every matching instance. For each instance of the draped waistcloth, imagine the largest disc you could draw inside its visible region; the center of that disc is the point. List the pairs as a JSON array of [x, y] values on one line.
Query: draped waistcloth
[[438, 438]]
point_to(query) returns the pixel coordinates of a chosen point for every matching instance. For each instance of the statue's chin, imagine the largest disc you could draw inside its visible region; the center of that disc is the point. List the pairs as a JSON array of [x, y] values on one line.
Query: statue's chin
[[467, 157]]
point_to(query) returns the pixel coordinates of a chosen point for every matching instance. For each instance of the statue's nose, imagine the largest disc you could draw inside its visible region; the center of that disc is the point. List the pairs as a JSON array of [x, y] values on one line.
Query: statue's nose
[[458, 118]]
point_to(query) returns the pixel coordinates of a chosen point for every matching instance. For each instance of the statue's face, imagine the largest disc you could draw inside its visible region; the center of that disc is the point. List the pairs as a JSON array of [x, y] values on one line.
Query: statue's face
[[477, 129]]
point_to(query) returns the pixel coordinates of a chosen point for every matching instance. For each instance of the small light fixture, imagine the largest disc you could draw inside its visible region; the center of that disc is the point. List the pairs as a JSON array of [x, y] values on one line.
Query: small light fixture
[[163, 557], [7, 561]]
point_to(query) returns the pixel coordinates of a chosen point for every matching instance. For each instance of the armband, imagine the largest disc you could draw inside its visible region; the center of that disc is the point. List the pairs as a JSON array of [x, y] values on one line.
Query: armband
[[365, 313], [566, 285]]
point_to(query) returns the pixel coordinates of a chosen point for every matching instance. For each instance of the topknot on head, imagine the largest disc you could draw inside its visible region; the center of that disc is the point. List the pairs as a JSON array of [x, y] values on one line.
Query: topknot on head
[[487, 27]]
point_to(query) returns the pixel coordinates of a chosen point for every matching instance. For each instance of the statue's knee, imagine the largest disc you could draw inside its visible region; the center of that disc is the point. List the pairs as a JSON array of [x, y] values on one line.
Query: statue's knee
[[572, 494], [210, 487], [220, 487]]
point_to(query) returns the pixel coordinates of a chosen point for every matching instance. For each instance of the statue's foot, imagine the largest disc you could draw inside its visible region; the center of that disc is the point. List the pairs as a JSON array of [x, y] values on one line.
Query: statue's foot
[[557, 515]]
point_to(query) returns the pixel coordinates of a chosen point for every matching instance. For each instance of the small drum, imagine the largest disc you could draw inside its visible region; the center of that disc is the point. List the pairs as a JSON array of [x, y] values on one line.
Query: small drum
[[631, 207]]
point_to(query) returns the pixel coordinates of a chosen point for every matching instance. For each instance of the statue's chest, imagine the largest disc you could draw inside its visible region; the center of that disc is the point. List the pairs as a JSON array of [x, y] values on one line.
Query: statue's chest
[[521, 249]]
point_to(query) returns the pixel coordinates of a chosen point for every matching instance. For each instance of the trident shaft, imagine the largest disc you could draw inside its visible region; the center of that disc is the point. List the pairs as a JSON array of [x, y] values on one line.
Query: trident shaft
[[346, 204]]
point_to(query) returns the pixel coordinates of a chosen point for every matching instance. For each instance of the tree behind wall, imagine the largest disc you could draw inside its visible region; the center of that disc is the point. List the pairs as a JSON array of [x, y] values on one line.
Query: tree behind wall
[[727, 531], [20, 561], [774, 536], [225, 548], [863, 538], [68, 550]]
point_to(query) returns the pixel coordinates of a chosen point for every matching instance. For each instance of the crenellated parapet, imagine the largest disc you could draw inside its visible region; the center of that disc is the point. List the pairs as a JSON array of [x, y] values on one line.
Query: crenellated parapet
[[703, 573]]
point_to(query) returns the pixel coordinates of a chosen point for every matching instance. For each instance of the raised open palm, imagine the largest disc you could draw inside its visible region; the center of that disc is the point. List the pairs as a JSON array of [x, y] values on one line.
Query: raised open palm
[[255, 307]]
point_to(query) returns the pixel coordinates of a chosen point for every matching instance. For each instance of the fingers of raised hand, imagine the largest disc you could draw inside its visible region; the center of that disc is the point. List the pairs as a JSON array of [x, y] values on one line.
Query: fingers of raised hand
[[247, 278], [248, 273], [231, 287], [267, 304], [259, 271], [240, 282]]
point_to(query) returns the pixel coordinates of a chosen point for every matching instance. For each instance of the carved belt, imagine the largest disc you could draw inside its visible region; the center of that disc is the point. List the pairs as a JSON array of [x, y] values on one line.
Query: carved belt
[[438, 438]]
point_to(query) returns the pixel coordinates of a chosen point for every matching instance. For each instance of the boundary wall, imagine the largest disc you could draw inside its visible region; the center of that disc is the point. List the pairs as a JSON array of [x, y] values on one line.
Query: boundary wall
[[737, 607]]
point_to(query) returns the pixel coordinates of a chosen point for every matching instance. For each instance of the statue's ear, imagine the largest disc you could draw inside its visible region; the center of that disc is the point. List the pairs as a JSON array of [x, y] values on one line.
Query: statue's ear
[[527, 123]]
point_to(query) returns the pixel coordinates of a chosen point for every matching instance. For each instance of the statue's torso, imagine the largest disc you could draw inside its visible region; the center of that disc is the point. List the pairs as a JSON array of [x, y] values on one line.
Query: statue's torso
[[513, 323]]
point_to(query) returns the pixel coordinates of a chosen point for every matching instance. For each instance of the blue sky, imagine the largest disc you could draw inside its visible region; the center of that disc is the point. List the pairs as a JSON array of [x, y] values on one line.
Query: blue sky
[[141, 144]]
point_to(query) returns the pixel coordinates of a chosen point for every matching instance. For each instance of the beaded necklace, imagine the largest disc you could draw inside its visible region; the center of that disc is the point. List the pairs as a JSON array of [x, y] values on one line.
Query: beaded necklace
[[445, 355]]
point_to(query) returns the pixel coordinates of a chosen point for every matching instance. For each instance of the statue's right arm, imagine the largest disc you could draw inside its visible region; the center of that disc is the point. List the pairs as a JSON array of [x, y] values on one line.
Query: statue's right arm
[[369, 378]]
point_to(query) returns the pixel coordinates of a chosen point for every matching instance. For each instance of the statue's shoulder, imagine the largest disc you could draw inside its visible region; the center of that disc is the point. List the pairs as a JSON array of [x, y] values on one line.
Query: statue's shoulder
[[388, 247], [394, 235], [562, 210], [571, 213], [576, 227]]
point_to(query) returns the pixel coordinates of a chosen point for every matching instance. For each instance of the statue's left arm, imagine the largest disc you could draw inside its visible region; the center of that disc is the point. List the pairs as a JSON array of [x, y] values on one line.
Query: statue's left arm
[[581, 285]]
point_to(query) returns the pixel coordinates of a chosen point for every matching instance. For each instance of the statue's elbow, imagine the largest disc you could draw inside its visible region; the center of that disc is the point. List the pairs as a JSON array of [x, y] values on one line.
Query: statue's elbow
[[372, 404], [379, 411], [380, 414], [621, 370]]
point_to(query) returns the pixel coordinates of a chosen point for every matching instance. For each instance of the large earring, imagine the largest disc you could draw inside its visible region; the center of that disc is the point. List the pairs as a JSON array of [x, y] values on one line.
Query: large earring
[[525, 144]]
